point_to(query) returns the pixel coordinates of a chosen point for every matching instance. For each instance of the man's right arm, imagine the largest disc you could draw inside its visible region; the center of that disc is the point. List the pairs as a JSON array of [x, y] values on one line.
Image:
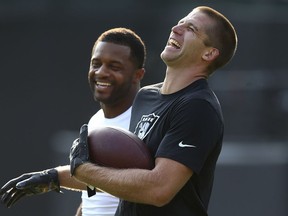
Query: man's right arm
[[66, 181], [35, 183]]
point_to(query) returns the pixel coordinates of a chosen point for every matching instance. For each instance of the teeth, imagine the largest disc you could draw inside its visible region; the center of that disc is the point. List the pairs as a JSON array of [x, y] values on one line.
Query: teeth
[[174, 43], [103, 84]]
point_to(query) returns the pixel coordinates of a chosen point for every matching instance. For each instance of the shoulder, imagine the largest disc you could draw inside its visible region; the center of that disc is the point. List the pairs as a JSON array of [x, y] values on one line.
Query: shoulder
[[202, 91], [97, 117], [199, 97], [98, 114], [149, 91], [152, 87]]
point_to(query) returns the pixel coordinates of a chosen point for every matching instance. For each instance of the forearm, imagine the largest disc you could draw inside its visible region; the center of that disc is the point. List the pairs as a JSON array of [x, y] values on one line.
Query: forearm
[[68, 182], [155, 187], [136, 185]]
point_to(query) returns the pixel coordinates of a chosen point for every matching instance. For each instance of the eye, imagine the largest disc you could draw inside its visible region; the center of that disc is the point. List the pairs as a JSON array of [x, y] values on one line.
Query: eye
[[191, 28], [95, 64], [115, 67]]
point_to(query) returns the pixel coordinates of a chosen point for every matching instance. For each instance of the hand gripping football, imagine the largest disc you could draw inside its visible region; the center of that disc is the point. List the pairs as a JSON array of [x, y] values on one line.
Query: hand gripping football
[[118, 148]]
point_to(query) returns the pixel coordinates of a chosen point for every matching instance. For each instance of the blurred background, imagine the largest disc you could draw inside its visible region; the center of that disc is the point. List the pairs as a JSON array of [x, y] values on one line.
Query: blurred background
[[45, 48]]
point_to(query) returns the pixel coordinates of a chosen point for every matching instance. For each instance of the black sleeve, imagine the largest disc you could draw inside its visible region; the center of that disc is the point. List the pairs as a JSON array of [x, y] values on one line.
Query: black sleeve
[[195, 129]]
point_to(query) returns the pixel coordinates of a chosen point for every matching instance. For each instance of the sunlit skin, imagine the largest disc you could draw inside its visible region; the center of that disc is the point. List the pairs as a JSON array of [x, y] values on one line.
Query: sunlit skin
[[113, 78], [114, 81], [185, 45], [186, 62], [186, 55]]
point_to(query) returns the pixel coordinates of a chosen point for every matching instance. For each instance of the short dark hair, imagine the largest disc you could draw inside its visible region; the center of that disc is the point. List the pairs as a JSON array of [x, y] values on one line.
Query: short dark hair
[[221, 35], [126, 37]]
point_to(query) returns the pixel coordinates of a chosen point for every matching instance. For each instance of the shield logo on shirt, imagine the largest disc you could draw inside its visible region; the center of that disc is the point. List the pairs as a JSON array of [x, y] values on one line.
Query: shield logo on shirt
[[145, 125]]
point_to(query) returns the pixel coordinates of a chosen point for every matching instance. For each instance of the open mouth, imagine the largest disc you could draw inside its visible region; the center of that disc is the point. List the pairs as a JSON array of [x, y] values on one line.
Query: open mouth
[[102, 84], [174, 43]]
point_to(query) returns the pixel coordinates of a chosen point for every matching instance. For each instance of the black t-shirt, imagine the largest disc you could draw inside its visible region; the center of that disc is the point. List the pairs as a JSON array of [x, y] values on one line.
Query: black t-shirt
[[186, 126]]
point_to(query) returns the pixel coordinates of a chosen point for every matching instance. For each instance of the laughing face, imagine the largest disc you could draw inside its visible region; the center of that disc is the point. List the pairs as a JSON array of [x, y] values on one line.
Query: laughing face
[[112, 73], [185, 45]]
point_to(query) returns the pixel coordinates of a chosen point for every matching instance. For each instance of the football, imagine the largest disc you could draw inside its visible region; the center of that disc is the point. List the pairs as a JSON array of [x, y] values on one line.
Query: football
[[118, 148]]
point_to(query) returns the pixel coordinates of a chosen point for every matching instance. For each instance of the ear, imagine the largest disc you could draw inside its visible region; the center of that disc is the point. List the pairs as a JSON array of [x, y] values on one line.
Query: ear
[[139, 75], [210, 54]]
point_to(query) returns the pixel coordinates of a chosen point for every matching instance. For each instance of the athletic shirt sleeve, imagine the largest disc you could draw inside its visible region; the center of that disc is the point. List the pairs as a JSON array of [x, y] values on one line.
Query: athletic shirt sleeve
[[195, 128]]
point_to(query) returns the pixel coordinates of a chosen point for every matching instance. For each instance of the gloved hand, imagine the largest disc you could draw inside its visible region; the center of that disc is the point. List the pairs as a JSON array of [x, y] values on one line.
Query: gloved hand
[[79, 152], [29, 184]]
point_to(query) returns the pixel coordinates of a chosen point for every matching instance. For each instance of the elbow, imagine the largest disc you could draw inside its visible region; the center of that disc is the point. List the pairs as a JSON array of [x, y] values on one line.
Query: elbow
[[161, 199], [161, 203]]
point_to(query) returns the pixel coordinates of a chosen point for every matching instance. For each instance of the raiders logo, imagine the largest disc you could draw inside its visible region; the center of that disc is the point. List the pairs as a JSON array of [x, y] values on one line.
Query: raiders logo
[[145, 125]]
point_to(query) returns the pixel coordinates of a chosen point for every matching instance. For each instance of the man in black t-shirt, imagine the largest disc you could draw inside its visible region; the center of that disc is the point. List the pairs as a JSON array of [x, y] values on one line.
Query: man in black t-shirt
[[181, 122], [186, 127]]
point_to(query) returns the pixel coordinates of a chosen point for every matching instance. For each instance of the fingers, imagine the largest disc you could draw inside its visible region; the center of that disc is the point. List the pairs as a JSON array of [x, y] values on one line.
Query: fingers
[[73, 150], [11, 184], [6, 196], [9, 193], [25, 184], [29, 184], [15, 198], [83, 143], [74, 145], [83, 133], [12, 196], [79, 151], [8, 186]]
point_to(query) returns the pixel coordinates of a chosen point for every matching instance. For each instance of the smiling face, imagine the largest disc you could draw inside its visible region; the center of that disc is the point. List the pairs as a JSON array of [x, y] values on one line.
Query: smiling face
[[185, 46], [112, 76]]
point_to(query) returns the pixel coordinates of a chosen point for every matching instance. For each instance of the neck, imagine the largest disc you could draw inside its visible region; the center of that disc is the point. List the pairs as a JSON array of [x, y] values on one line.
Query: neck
[[112, 110], [177, 80]]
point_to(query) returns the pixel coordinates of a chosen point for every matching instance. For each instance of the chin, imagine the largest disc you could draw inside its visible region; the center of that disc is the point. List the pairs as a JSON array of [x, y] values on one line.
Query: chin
[[162, 54], [103, 100]]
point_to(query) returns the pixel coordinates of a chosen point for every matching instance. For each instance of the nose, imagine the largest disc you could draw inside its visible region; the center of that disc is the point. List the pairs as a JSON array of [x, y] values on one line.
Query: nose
[[177, 29], [102, 71], [98, 73]]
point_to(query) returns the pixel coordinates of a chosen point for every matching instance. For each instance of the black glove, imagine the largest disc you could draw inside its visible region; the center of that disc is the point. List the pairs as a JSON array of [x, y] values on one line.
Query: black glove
[[29, 184], [79, 152]]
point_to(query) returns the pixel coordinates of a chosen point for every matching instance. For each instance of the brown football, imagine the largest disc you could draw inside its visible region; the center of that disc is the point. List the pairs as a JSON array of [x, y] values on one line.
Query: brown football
[[118, 148]]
